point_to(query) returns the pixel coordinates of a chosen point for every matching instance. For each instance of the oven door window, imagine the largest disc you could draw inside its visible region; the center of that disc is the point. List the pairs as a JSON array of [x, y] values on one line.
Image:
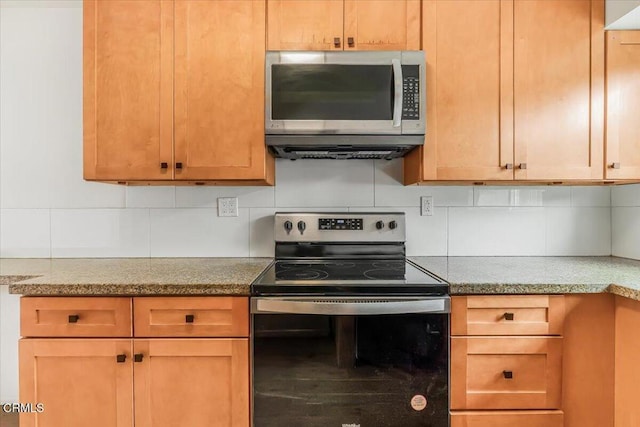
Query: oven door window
[[320, 371], [331, 92]]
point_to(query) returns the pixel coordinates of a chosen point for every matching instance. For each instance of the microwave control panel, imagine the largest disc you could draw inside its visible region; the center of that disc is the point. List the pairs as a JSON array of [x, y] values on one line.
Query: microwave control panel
[[410, 92]]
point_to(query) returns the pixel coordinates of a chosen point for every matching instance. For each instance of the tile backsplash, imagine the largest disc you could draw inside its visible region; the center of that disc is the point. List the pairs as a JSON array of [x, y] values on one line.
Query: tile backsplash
[[625, 214], [183, 221]]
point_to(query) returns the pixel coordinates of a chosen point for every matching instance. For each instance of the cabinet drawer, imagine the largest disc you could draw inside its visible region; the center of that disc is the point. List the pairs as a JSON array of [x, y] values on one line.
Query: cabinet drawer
[[507, 419], [506, 372], [507, 315], [191, 316], [75, 317]]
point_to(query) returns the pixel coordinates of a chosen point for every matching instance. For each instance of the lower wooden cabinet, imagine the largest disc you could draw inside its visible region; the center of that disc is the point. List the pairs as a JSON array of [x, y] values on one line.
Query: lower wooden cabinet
[[506, 372], [130, 379], [79, 382], [157, 383], [507, 419]]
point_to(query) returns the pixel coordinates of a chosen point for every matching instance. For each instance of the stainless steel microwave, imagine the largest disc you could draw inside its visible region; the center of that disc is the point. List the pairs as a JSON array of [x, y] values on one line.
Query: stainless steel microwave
[[367, 104]]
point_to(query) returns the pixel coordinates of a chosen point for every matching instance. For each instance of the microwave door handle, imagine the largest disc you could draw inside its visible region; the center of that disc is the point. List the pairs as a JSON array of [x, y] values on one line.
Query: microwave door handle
[[397, 98]]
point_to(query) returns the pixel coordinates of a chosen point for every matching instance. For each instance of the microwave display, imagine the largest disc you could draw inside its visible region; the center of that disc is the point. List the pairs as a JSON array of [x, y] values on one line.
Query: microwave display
[[332, 92]]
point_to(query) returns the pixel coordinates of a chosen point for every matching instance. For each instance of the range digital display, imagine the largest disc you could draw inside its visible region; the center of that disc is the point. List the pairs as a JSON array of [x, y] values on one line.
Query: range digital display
[[340, 224]]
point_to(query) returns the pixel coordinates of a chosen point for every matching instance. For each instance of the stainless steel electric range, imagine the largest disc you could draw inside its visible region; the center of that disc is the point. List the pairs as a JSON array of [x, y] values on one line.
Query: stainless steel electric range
[[347, 331]]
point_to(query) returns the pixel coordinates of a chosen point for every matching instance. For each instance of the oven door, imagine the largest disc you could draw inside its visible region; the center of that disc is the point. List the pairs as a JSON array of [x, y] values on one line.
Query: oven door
[[366, 362], [344, 93]]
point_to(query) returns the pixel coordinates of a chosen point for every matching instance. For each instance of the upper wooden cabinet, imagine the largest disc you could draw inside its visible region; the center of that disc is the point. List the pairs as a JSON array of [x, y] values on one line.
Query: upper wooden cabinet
[[468, 46], [558, 89], [174, 90], [343, 24], [623, 105], [515, 90]]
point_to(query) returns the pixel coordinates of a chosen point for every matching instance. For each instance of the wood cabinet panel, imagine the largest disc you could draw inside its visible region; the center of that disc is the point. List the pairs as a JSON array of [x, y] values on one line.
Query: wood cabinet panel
[[480, 367], [558, 89], [623, 105], [128, 75], [210, 317], [507, 419], [507, 315], [588, 361], [469, 51], [364, 28], [219, 90], [79, 381], [627, 349], [211, 375], [75, 317], [304, 24]]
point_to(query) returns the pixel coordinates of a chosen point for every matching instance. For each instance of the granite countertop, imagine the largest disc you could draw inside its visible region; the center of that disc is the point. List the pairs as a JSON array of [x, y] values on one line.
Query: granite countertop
[[537, 275], [134, 276], [233, 276]]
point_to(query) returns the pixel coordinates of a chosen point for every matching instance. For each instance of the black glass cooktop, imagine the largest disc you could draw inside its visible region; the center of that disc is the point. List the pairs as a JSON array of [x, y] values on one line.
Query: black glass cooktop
[[344, 276]]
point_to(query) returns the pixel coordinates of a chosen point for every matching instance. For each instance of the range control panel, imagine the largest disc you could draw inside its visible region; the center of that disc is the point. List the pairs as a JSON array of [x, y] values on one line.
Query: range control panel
[[340, 223], [339, 227]]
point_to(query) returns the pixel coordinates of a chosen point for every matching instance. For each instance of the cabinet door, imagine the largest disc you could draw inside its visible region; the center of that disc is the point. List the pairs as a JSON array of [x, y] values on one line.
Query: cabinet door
[[559, 89], [623, 105], [192, 382], [382, 25], [79, 382], [469, 136], [128, 96], [219, 90], [305, 25], [627, 372]]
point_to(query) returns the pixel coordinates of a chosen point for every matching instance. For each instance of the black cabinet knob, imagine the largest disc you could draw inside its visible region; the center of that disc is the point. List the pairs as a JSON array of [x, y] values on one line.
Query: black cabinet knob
[[164, 165], [379, 225], [301, 226], [507, 374], [121, 358], [336, 41], [189, 318], [508, 316], [73, 318], [288, 225], [179, 165], [393, 225], [138, 357], [351, 42]]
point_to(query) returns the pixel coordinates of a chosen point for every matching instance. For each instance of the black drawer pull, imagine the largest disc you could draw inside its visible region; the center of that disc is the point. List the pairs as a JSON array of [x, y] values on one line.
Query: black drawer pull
[[137, 357], [351, 42], [507, 374], [179, 165], [336, 41], [189, 318], [508, 316], [164, 165], [121, 358], [73, 318]]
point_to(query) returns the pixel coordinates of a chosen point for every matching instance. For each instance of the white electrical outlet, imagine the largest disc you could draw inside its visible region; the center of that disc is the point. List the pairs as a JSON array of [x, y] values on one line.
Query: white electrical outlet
[[426, 205], [227, 206]]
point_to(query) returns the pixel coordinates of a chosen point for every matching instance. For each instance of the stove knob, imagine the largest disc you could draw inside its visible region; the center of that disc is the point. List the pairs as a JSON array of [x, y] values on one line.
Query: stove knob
[[301, 226], [393, 225], [379, 225], [288, 225]]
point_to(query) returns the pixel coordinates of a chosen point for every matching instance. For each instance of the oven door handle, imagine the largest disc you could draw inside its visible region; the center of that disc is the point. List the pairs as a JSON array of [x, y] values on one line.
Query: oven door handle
[[350, 306]]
